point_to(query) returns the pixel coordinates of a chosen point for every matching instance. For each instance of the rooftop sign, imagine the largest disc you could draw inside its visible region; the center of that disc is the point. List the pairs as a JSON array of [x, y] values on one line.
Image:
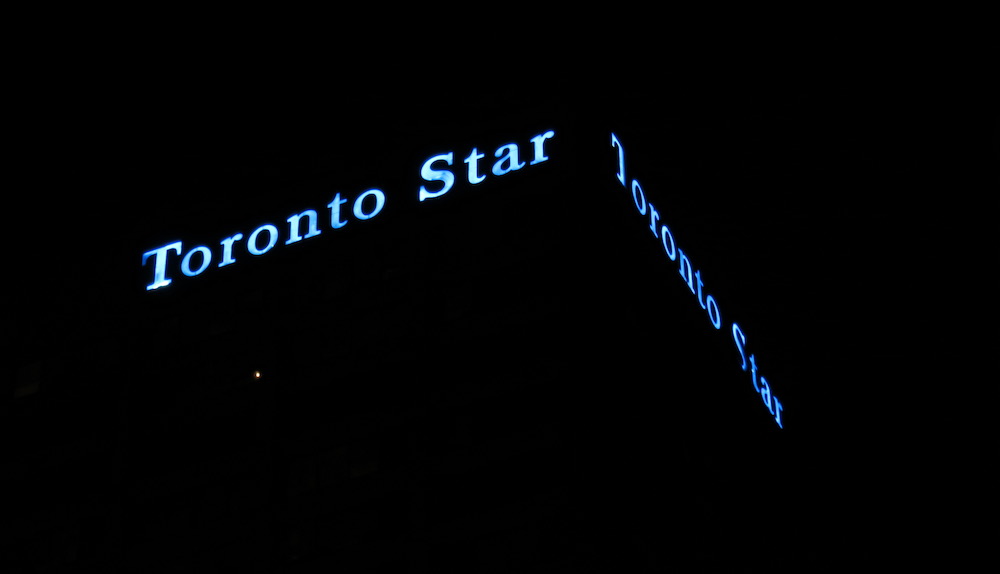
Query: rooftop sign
[[692, 277], [439, 177], [438, 180]]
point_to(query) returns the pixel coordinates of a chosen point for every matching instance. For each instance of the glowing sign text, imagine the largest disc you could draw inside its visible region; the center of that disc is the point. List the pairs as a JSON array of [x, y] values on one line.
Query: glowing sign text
[[306, 224], [261, 240], [509, 160], [694, 282]]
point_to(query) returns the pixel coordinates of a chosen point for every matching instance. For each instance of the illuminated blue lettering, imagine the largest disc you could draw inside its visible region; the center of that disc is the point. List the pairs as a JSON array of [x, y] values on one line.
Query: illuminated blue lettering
[[701, 300], [685, 262], [445, 176], [508, 160], [507, 153], [664, 235], [694, 282], [539, 152], [753, 372], [160, 264], [335, 221], [707, 302], [294, 228], [715, 317], [741, 341], [473, 161], [621, 159], [765, 394], [635, 198], [272, 238], [227, 249], [762, 387], [359, 211], [206, 258]]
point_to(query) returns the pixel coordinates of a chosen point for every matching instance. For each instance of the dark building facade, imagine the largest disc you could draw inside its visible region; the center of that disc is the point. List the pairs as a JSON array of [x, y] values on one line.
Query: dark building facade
[[524, 371]]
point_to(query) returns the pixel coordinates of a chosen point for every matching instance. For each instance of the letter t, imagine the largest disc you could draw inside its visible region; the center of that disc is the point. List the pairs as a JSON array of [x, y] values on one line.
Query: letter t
[[160, 264], [473, 161]]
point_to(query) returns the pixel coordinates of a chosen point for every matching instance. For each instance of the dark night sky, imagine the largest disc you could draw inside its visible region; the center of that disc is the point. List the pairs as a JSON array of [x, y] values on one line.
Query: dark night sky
[[875, 158], [861, 175]]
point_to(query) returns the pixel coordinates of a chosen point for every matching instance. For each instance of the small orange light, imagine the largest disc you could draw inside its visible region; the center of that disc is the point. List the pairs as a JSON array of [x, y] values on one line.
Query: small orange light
[[256, 374]]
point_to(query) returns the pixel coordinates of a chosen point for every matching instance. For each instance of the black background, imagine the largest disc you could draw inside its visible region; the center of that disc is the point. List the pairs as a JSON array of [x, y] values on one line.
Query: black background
[[832, 202]]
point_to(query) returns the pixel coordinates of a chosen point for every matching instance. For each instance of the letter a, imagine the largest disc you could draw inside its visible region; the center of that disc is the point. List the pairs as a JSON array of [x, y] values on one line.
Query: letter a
[[507, 153]]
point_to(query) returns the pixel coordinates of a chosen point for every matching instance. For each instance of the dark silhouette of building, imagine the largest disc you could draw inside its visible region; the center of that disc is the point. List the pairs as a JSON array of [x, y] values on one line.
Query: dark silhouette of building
[[513, 376]]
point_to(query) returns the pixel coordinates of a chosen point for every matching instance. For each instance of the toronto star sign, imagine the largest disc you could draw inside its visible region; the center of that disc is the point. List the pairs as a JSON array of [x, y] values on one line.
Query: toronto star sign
[[438, 175]]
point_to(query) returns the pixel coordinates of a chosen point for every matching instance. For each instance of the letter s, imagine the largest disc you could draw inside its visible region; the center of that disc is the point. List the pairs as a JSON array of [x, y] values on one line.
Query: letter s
[[741, 340], [442, 175]]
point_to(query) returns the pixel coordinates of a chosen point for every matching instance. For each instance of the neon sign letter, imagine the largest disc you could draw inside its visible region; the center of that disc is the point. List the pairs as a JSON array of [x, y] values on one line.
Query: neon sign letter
[[206, 258], [160, 264], [272, 238], [294, 228], [441, 175]]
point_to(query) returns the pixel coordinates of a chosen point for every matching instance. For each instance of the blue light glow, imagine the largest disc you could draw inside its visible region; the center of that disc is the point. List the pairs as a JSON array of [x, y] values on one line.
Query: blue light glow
[[473, 161], [306, 224], [654, 216], [713, 312], [664, 236], [227, 249], [445, 176], [741, 341], [621, 158], [635, 198], [206, 258], [693, 278], [335, 221], [539, 152], [294, 228], [760, 384], [272, 238], [359, 211], [765, 394], [508, 160], [686, 263], [507, 153], [196, 261], [772, 403], [160, 264], [701, 299]]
